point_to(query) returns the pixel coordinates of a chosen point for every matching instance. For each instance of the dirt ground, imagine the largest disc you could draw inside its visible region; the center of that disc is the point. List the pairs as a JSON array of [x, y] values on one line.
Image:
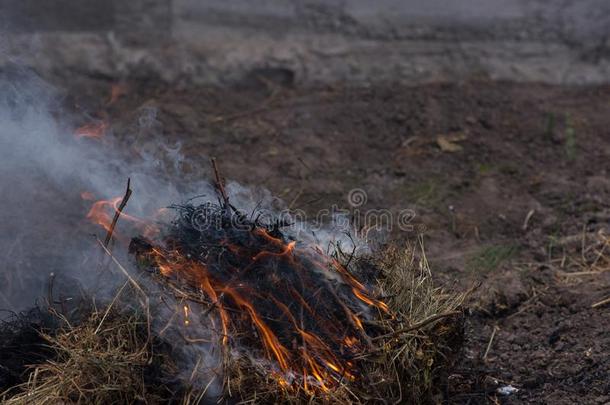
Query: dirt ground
[[510, 184]]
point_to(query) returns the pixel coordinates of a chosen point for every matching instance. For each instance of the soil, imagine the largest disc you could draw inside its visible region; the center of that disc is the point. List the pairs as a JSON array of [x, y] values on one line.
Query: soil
[[509, 184]]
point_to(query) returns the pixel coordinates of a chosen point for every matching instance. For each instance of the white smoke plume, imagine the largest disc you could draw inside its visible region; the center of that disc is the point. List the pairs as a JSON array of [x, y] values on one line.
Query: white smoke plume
[[44, 169]]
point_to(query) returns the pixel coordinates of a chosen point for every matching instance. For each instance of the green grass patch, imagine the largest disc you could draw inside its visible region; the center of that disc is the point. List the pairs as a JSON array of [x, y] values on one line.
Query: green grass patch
[[570, 142], [484, 169], [490, 258], [430, 192]]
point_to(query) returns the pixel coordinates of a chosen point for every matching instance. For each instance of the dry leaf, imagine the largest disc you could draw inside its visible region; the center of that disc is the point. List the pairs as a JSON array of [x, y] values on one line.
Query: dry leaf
[[447, 143]]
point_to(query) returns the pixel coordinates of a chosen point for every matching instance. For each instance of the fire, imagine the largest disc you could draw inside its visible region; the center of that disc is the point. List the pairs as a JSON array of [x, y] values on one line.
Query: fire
[[359, 289], [324, 354], [224, 318], [186, 315], [116, 91], [87, 196], [288, 303], [102, 213], [270, 340], [94, 130], [97, 129], [350, 341]]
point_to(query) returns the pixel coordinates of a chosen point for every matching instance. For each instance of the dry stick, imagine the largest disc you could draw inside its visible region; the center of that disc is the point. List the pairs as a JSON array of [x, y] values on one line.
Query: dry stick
[[215, 303], [133, 282], [117, 214], [416, 326], [600, 254], [527, 220], [581, 273], [265, 105], [110, 307], [135, 285], [491, 340], [602, 302], [195, 369], [50, 289], [104, 246], [219, 185]]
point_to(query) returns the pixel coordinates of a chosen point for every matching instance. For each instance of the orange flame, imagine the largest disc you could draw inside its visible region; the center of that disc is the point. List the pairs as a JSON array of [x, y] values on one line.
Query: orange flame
[[102, 213], [269, 339], [186, 315], [87, 196], [93, 130]]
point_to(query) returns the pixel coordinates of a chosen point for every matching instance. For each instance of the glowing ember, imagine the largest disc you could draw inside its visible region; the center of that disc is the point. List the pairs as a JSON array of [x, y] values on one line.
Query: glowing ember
[[186, 315]]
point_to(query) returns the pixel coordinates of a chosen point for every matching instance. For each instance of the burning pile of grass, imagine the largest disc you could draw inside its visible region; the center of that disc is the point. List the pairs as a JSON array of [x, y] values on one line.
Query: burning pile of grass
[[107, 357], [279, 319], [291, 321]]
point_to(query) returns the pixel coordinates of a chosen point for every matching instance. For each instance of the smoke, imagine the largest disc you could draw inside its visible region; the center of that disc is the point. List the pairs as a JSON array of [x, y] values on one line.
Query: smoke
[[44, 169]]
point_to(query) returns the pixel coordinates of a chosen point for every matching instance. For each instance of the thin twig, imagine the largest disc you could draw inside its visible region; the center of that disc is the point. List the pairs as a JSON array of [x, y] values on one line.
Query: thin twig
[[135, 285], [600, 303], [123, 270], [527, 219], [416, 326], [50, 289], [99, 326], [118, 212], [491, 340], [219, 185]]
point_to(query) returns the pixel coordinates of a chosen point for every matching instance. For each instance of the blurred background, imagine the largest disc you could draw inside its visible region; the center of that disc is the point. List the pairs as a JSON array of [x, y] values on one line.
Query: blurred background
[[313, 41]]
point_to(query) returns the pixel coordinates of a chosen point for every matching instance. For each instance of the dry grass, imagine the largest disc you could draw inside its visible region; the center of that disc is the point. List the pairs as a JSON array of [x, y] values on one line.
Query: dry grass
[[581, 255], [419, 357], [100, 361], [581, 258]]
